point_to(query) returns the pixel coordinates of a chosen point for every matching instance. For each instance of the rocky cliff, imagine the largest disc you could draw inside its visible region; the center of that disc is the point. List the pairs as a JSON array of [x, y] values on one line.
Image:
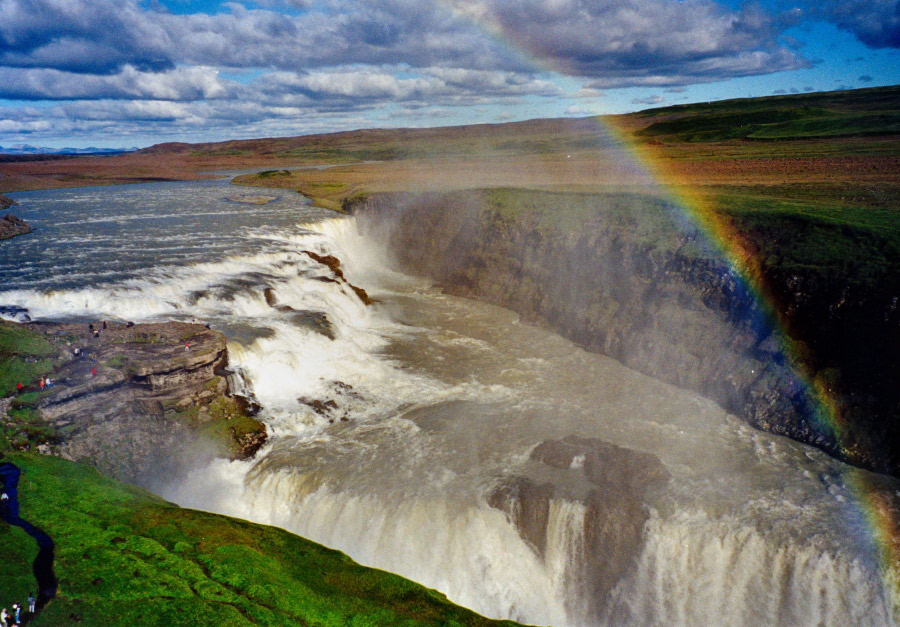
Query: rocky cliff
[[625, 276], [607, 486], [139, 401]]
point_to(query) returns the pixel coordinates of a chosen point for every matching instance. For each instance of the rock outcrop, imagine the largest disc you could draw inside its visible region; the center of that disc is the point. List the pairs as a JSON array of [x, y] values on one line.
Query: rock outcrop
[[622, 275], [140, 401], [10, 226], [6, 202], [607, 485]]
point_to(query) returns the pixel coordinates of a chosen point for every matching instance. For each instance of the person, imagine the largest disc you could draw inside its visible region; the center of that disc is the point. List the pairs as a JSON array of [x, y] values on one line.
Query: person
[[19, 387], [96, 332], [187, 346], [31, 602], [104, 324], [4, 614], [42, 383], [93, 372], [18, 611], [49, 382]]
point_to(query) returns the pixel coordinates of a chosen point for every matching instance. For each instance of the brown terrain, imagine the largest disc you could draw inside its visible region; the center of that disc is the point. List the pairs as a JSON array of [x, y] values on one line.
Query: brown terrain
[[558, 153]]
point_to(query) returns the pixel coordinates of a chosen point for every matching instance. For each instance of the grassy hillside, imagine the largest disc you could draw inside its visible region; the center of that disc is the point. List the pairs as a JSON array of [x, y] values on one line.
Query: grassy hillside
[[800, 116], [125, 557]]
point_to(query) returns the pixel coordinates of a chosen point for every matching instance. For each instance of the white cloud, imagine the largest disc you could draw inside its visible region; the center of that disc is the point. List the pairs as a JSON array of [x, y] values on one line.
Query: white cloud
[[189, 83], [649, 100], [638, 42]]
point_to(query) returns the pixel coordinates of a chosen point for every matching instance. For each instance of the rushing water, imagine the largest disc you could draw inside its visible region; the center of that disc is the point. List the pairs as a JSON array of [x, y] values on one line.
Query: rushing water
[[437, 399]]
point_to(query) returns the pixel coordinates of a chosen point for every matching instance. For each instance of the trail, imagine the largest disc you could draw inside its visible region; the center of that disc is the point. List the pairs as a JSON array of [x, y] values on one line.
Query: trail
[[9, 513]]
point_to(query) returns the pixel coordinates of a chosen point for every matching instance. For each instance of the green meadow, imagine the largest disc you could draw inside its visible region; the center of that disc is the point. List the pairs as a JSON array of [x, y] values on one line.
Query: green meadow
[[125, 557]]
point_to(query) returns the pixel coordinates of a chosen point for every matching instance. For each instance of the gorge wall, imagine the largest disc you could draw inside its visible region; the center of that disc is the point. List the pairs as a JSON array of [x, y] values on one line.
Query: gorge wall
[[623, 275], [139, 402]]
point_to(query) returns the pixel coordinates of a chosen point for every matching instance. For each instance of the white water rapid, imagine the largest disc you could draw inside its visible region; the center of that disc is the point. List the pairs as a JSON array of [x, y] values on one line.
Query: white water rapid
[[428, 402]]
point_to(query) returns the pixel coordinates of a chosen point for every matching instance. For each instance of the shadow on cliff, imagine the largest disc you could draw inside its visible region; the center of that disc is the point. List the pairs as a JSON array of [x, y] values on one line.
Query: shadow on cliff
[[626, 275]]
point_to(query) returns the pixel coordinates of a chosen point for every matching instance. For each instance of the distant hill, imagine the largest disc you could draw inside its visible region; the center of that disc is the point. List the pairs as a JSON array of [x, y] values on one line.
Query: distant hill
[[857, 113]]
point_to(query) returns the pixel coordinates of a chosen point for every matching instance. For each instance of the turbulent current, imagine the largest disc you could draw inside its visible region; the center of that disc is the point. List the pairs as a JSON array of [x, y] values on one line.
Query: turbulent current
[[393, 425]]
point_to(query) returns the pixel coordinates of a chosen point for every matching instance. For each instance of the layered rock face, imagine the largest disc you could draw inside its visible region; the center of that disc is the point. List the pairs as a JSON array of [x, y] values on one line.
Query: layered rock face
[[621, 275], [140, 401], [607, 484]]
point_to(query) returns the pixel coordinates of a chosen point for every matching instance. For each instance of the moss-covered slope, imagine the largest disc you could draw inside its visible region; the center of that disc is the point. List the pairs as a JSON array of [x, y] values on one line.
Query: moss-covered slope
[[126, 557]]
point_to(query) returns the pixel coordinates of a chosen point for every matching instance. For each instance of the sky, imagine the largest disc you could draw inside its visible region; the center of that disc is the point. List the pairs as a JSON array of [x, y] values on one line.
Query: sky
[[132, 73]]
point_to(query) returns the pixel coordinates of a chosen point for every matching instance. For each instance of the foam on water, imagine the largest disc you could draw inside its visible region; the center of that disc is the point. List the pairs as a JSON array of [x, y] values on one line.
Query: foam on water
[[699, 570], [443, 397]]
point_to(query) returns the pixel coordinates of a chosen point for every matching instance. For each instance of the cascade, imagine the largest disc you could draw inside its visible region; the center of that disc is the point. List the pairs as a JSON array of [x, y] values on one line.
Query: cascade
[[394, 426]]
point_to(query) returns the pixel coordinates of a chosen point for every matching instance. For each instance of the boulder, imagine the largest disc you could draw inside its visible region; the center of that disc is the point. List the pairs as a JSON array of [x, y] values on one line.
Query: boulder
[[10, 226]]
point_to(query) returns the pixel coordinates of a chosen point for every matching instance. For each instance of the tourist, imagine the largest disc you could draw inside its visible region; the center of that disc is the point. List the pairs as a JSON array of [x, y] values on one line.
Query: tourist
[[19, 388], [94, 372], [18, 610], [187, 346], [42, 383], [104, 324], [31, 602], [3, 616], [49, 382]]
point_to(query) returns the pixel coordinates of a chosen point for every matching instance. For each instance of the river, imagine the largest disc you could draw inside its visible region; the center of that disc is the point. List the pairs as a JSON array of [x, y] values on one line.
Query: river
[[434, 401]]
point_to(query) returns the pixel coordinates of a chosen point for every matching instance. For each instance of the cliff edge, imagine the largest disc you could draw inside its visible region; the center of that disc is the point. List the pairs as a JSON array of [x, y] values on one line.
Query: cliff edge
[[136, 401], [623, 275]]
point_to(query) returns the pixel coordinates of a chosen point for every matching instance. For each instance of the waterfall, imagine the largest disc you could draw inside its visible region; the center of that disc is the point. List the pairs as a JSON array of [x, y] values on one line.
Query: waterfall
[[392, 424]]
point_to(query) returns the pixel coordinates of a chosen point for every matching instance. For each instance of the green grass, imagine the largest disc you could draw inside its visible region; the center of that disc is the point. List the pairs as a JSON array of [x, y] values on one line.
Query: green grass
[[24, 430], [791, 228], [641, 217], [125, 557], [15, 338], [855, 113], [856, 243], [24, 357], [229, 425]]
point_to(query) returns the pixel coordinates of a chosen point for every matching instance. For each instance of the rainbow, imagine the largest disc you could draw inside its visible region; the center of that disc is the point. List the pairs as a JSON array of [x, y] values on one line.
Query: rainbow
[[881, 516]]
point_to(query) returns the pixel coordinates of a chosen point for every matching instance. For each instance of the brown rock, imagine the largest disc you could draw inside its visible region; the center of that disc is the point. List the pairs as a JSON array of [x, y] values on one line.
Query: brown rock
[[334, 264], [139, 416], [610, 482], [10, 226]]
